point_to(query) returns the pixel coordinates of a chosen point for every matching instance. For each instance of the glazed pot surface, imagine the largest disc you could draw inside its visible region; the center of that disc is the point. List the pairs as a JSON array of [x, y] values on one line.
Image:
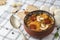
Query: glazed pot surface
[[37, 34]]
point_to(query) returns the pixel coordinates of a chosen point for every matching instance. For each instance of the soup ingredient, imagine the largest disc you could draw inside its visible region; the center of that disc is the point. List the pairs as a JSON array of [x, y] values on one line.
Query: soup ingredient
[[47, 21], [39, 22], [33, 18], [18, 4], [56, 35], [32, 26], [44, 15], [43, 27], [30, 8], [3, 2], [35, 25], [39, 18]]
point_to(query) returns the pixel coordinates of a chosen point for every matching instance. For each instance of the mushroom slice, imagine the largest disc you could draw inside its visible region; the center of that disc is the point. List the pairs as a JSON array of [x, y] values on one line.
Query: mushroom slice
[[43, 27], [39, 18]]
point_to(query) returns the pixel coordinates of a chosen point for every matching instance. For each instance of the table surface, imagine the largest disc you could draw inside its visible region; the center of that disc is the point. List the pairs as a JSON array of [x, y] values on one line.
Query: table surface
[[7, 32]]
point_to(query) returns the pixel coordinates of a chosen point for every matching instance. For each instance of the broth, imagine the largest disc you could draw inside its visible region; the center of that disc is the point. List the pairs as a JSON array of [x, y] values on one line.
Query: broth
[[39, 21]]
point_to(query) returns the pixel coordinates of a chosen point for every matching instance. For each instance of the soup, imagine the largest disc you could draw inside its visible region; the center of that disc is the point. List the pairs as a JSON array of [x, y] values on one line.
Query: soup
[[39, 21]]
